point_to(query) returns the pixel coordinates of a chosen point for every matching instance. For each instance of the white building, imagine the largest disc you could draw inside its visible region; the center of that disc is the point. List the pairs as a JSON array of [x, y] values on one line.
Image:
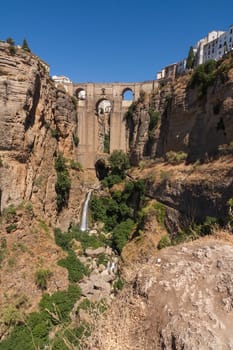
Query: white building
[[61, 79], [181, 66], [213, 46], [216, 48], [201, 44]]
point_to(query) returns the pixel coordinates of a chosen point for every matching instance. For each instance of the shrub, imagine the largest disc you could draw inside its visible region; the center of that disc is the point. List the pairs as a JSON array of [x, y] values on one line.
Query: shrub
[[11, 227], [61, 302], [175, 157], [106, 143], [11, 316], [75, 165], [74, 101], [76, 140], [55, 133], [121, 234], [63, 183], [154, 119], [41, 278], [118, 284], [76, 269], [111, 180], [160, 212], [10, 41], [119, 163], [12, 50], [203, 76], [164, 242]]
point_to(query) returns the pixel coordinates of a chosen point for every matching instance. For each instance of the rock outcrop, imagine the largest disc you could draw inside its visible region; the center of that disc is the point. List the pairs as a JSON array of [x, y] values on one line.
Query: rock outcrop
[[37, 121], [190, 122], [179, 299]]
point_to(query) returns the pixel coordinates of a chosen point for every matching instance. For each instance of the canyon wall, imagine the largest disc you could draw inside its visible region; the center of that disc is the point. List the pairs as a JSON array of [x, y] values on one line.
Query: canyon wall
[[189, 122], [37, 122]]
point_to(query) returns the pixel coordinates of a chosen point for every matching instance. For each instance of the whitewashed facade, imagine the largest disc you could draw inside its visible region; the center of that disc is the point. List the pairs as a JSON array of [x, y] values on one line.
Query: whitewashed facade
[[213, 46], [216, 48]]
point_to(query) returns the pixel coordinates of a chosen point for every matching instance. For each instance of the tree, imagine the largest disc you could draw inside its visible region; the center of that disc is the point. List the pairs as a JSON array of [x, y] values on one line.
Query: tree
[[25, 45], [119, 163], [190, 59], [10, 41]]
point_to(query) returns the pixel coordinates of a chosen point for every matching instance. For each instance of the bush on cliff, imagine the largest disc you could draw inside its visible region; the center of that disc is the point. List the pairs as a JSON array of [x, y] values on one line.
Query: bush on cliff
[[63, 184]]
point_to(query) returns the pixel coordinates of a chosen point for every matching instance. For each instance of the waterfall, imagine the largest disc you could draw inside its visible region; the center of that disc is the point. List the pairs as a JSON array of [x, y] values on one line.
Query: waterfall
[[84, 220]]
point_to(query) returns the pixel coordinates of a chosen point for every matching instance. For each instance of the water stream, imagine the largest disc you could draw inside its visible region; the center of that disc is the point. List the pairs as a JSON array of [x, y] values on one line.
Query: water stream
[[84, 219]]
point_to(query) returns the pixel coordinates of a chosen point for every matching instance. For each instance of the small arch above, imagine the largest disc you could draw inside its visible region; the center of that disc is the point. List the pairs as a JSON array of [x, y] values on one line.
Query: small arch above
[[127, 95], [81, 94]]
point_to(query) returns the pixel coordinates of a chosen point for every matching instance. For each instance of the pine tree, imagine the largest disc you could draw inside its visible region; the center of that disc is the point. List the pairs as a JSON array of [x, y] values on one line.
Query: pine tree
[[190, 59], [25, 46]]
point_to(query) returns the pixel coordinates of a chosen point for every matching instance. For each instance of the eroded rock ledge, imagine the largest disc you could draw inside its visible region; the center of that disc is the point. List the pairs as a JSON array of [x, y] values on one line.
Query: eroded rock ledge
[[180, 299]]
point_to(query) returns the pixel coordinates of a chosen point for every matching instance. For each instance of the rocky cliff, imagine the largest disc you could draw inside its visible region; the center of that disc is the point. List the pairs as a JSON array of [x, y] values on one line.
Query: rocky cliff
[[193, 121], [37, 122]]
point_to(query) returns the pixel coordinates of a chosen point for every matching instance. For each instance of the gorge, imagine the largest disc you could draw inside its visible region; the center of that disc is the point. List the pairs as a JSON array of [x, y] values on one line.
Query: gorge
[[174, 186]]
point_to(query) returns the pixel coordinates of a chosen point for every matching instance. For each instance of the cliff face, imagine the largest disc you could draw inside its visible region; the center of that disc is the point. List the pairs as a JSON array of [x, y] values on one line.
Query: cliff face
[[189, 122], [37, 121]]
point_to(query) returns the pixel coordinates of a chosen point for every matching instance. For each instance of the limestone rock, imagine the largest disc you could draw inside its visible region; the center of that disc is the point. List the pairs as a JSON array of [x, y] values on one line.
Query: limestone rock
[[181, 299], [94, 252]]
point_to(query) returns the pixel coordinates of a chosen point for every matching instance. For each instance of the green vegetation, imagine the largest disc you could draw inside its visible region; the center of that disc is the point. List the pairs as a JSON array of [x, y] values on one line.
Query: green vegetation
[[119, 212], [63, 183], [25, 45], [55, 133], [74, 266], [190, 59], [11, 227], [118, 284], [76, 140], [119, 163], [32, 332], [164, 242], [160, 212], [204, 76], [75, 165], [9, 213], [121, 234], [41, 278], [10, 41], [189, 233], [154, 120], [74, 101], [106, 143], [175, 157], [66, 240]]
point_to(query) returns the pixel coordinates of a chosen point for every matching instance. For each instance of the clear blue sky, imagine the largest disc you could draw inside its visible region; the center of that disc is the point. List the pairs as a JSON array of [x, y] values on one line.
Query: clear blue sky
[[114, 40]]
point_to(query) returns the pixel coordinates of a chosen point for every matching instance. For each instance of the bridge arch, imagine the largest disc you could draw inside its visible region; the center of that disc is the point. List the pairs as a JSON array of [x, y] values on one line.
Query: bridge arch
[[128, 94], [81, 94], [103, 106]]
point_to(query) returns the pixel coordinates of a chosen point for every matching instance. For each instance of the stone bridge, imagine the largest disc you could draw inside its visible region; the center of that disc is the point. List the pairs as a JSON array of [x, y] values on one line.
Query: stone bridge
[[101, 110]]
